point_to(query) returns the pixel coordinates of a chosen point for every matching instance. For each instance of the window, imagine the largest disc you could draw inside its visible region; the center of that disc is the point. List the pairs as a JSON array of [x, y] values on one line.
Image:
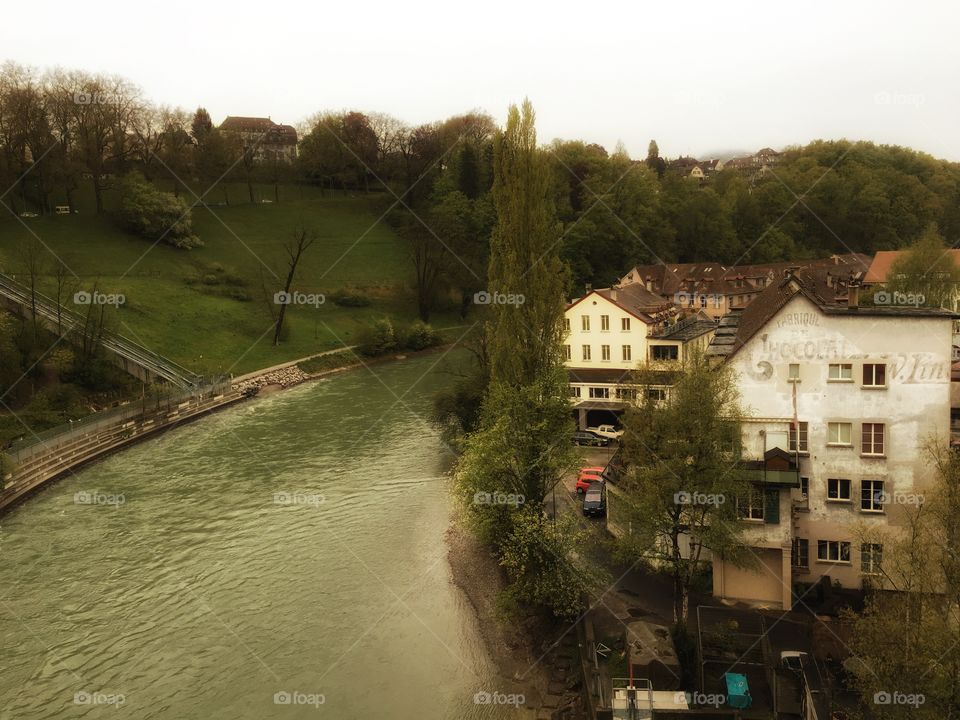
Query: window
[[793, 372], [626, 393], [800, 553], [802, 447], [665, 352], [751, 506], [627, 353], [657, 394], [833, 551], [585, 323], [574, 391], [805, 487], [625, 324], [839, 433], [871, 439], [604, 322], [838, 489], [566, 352], [605, 352], [566, 324], [874, 375], [871, 555], [840, 372], [586, 352], [871, 495], [600, 393], [703, 301]]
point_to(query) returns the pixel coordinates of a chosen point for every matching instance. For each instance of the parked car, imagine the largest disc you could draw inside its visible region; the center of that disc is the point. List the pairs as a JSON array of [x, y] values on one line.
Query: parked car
[[582, 437], [587, 476], [792, 660], [595, 500], [606, 431]]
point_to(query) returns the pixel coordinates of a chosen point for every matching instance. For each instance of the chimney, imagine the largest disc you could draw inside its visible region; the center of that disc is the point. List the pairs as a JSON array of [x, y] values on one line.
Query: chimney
[[613, 295], [649, 284], [853, 296], [589, 288]]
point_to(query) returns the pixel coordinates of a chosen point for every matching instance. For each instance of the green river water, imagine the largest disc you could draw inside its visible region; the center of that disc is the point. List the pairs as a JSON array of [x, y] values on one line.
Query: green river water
[[293, 544]]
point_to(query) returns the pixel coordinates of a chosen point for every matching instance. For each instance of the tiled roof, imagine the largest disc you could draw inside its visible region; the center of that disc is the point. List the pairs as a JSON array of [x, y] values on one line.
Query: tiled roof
[[884, 259], [825, 289]]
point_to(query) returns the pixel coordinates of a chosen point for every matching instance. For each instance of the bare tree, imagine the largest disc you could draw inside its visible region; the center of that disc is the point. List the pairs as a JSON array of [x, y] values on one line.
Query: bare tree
[[32, 257], [294, 248]]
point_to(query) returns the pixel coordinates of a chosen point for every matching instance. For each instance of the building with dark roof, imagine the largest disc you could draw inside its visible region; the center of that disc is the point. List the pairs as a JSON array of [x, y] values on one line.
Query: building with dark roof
[[268, 140], [842, 396]]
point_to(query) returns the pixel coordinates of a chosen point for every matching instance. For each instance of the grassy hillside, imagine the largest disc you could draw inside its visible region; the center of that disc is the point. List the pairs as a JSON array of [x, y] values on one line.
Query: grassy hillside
[[209, 308]]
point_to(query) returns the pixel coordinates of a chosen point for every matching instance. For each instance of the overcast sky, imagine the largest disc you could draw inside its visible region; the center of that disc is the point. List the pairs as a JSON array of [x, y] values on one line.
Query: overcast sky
[[700, 77]]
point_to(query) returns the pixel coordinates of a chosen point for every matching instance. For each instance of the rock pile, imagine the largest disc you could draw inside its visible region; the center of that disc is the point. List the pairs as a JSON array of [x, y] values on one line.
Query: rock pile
[[285, 377]]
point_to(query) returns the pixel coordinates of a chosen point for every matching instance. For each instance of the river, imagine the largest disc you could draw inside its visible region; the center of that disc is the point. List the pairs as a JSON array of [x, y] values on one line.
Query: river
[[281, 559]]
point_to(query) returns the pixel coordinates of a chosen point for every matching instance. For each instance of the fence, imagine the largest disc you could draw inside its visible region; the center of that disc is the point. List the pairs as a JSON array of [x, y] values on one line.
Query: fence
[[47, 455]]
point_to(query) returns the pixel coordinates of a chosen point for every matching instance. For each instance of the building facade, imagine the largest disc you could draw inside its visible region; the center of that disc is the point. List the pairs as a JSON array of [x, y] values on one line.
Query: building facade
[[269, 141], [613, 331], [843, 401]]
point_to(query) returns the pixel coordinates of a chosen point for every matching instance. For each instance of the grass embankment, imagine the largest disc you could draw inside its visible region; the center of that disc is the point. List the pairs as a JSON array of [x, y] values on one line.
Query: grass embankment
[[210, 308]]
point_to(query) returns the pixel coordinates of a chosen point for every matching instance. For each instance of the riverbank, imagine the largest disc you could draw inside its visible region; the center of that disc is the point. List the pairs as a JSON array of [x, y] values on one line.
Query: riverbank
[[61, 454], [535, 661]]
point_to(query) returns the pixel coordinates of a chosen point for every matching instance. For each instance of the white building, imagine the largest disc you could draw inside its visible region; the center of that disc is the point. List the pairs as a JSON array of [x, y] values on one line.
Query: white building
[[868, 387], [612, 331]]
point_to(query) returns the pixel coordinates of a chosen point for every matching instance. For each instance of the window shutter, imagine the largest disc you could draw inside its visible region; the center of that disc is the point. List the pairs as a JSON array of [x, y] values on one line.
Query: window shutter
[[771, 510]]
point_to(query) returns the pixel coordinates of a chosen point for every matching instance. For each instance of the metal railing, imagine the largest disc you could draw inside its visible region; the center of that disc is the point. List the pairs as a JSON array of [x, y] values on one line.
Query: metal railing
[[54, 312]]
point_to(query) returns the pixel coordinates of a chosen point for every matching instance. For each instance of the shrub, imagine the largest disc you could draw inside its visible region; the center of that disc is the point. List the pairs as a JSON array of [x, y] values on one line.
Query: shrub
[[211, 279], [378, 338], [419, 336], [154, 214]]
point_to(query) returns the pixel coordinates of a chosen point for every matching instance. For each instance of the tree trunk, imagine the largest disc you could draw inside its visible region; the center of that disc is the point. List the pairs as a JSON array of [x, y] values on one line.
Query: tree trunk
[[98, 192]]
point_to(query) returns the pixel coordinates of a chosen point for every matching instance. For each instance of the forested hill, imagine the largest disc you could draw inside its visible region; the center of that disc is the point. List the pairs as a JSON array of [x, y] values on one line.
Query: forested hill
[[826, 197]]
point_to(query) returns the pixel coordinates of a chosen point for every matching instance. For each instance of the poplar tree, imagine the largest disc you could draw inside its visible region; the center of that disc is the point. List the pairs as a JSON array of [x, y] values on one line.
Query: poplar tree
[[522, 447]]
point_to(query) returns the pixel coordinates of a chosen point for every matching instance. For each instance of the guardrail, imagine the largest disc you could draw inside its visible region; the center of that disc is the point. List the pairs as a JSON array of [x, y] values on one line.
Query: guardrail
[[45, 456], [53, 312]]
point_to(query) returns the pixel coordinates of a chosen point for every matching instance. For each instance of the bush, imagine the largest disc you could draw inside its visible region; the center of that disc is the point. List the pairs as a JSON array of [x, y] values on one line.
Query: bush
[[378, 338], [347, 297], [154, 214], [419, 336], [211, 279]]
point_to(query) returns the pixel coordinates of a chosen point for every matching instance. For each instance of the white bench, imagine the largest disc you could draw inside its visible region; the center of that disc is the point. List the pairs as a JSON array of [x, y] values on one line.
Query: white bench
[[62, 209]]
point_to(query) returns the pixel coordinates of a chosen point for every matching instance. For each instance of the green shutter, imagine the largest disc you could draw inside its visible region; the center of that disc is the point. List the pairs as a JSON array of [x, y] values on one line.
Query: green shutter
[[771, 511]]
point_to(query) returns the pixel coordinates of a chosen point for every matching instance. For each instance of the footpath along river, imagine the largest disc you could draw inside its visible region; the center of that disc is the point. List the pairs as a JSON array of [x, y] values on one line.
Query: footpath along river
[[285, 558]]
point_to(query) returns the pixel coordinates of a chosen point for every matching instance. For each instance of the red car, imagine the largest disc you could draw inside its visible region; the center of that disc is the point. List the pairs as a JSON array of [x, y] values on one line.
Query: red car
[[589, 475]]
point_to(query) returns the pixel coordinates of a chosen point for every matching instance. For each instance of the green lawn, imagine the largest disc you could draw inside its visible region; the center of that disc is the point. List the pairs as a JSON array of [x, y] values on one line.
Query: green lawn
[[178, 301]]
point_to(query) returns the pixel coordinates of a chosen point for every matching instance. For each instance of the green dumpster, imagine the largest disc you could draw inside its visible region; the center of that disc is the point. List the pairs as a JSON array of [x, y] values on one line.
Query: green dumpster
[[738, 692]]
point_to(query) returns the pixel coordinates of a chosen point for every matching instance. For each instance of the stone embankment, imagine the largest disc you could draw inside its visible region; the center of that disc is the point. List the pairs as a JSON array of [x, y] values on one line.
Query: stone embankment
[[284, 377]]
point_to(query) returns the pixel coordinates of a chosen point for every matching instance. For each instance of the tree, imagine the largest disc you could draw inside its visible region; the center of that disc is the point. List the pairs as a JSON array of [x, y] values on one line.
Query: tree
[[154, 214], [294, 248], [682, 475], [521, 448], [654, 161], [201, 125], [907, 640], [927, 268]]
